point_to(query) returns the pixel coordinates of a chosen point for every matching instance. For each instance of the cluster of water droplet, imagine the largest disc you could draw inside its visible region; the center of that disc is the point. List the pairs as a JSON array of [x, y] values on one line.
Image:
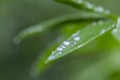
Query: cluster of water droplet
[[72, 42], [90, 6]]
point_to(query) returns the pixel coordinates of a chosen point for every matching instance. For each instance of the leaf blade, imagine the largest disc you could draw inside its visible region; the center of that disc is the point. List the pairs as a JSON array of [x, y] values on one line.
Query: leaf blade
[[41, 27], [81, 38], [84, 5]]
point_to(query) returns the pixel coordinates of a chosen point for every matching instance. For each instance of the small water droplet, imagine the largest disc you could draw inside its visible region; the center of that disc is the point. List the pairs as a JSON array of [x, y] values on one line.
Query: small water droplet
[[115, 31], [89, 5], [76, 38], [59, 52], [75, 43], [99, 9], [66, 43], [51, 57], [59, 49], [78, 1], [102, 31]]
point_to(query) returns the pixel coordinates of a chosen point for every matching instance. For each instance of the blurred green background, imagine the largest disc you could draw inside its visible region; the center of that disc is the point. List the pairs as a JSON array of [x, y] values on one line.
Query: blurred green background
[[17, 60]]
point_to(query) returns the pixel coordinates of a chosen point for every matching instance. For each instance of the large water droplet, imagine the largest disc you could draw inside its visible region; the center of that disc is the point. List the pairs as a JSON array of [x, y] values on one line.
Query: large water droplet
[[66, 43]]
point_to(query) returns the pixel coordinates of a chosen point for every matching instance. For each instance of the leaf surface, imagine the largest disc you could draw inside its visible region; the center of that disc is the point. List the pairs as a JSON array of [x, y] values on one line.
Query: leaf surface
[[81, 38]]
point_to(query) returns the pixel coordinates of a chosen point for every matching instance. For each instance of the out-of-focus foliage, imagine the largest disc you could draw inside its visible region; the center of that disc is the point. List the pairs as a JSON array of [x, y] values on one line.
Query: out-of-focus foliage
[[16, 61]]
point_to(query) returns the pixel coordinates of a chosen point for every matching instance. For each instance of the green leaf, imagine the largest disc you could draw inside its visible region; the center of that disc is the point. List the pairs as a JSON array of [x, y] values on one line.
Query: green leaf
[[116, 31], [84, 5], [68, 29], [81, 38], [43, 26]]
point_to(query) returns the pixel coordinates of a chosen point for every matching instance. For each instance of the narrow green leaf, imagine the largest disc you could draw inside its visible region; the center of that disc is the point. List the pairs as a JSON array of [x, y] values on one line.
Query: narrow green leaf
[[84, 5], [67, 30], [81, 38], [116, 31], [41, 27]]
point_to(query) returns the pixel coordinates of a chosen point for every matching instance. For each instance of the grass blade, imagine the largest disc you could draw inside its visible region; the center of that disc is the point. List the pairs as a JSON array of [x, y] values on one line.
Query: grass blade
[[41, 27], [81, 38], [84, 5], [40, 64]]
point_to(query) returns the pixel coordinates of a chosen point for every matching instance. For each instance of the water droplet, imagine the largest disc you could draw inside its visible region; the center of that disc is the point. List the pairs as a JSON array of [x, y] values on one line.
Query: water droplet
[[89, 5], [115, 31], [102, 31], [99, 9], [59, 52], [51, 57], [59, 49], [66, 43], [77, 38], [75, 43], [78, 1]]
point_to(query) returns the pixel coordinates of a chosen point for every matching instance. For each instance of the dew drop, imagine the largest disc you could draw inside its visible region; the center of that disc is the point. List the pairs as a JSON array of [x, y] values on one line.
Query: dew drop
[[66, 43], [76, 38], [99, 9], [75, 43], [59, 49], [114, 31], [89, 5], [51, 57], [78, 1], [59, 52], [102, 31]]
